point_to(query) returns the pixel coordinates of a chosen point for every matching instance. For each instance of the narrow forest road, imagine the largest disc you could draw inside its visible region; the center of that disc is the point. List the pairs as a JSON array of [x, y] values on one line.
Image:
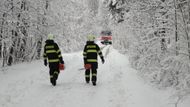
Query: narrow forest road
[[118, 85]]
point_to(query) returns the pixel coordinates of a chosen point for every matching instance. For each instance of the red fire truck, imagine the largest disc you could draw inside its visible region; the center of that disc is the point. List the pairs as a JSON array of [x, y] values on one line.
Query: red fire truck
[[106, 37]]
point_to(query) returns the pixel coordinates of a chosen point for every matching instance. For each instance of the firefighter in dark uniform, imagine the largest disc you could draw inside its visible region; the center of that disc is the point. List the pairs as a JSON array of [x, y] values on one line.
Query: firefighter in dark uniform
[[90, 53], [52, 55]]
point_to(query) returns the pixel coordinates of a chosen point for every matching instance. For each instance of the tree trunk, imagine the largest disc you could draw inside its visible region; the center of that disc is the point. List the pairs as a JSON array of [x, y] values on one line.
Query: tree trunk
[[188, 25], [176, 28], [186, 30]]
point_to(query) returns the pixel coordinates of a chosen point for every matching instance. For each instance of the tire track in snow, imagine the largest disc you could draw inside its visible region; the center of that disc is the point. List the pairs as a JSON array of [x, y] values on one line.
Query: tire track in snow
[[114, 76]]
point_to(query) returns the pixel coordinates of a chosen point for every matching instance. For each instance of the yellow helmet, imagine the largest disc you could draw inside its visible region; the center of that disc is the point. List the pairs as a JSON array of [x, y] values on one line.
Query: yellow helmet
[[90, 37], [50, 36]]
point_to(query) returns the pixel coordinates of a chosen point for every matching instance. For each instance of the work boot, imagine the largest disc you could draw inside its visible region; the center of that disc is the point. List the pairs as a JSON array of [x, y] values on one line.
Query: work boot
[[54, 82], [94, 83]]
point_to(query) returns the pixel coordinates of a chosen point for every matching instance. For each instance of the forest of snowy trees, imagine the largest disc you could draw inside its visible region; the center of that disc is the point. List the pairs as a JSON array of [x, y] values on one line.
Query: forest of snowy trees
[[23, 25], [159, 47], [158, 43]]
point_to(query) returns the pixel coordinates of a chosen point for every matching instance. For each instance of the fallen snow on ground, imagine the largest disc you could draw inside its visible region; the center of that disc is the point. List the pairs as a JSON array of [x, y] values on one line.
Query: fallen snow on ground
[[118, 85]]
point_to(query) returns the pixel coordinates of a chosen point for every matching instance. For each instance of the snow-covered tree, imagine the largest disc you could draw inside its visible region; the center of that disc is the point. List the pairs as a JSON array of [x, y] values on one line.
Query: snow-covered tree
[[22, 27]]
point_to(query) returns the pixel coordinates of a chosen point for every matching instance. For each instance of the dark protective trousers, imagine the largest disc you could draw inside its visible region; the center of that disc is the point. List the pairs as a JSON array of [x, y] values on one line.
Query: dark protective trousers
[[54, 71], [94, 75], [93, 72]]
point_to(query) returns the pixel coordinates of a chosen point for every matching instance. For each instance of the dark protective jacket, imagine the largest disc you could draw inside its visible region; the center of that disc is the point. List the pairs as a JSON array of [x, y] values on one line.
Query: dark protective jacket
[[91, 50], [52, 52]]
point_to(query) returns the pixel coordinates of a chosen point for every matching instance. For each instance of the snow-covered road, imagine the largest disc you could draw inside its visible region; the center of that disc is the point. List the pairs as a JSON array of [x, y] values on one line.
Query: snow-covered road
[[118, 85]]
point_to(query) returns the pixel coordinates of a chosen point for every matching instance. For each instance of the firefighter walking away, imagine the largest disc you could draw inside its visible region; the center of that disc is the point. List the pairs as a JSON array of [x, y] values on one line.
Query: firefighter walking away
[[52, 56], [90, 53]]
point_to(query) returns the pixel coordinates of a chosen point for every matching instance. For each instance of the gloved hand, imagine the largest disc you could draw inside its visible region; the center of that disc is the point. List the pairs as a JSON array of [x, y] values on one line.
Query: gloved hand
[[45, 62], [62, 62], [103, 60]]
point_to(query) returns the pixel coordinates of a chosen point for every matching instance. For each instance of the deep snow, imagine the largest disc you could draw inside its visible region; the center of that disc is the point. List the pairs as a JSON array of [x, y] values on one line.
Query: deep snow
[[118, 85]]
